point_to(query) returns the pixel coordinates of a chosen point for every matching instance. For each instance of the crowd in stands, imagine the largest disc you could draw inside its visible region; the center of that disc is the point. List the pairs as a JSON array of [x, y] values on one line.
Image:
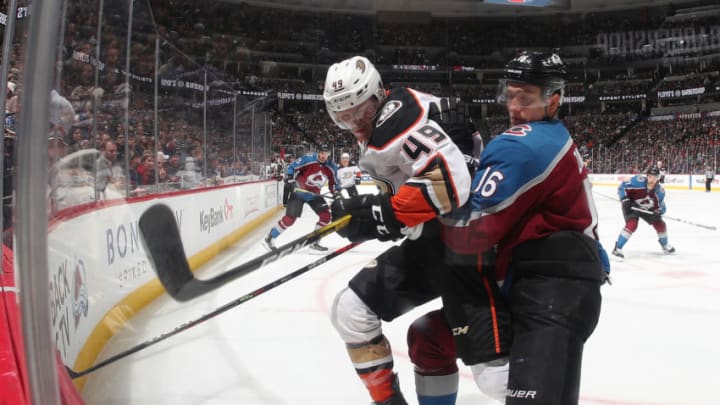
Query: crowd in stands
[[202, 140], [685, 146]]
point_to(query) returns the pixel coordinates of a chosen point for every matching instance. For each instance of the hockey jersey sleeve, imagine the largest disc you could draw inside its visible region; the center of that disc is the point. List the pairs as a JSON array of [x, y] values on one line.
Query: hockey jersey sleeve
[[292, 167], [502, 190], [438, 180], [660, 193], [621, 190], [525, 189], [301, 162], [439, 183]]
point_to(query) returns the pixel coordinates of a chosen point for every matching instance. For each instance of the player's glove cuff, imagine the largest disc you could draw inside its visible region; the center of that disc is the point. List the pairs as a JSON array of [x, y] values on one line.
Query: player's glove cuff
[[372, 217]]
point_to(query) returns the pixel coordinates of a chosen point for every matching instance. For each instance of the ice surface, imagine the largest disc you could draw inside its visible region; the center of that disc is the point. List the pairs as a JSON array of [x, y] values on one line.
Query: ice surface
[[656, 343]]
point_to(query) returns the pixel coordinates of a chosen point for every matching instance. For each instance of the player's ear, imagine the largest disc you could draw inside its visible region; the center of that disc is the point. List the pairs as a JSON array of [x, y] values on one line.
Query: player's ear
[[554, 105]]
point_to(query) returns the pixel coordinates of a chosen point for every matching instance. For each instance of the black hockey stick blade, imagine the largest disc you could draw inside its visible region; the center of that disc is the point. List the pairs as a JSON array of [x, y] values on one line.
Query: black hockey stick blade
[[232, 304], [162, 241], [161, 237]]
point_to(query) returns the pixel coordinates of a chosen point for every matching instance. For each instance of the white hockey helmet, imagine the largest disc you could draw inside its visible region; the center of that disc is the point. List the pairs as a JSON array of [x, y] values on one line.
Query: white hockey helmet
[[345, 156], [349, 83]]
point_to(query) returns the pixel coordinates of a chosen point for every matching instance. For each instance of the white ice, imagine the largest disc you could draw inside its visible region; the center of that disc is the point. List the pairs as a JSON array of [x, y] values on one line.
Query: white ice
[[656, 342]]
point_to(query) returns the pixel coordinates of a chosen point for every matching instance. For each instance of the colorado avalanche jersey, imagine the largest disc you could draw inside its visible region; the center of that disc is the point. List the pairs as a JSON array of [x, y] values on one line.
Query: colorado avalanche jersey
[[310, 174], [636, 190], [410, 157], [347, 176], [531, 183]]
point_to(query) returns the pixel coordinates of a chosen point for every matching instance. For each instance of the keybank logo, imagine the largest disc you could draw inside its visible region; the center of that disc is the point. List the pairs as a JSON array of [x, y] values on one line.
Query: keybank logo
[[216, 216]]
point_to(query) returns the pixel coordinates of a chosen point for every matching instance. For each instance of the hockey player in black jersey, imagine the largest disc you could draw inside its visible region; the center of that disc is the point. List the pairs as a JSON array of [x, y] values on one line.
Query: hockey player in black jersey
[[422, 174]]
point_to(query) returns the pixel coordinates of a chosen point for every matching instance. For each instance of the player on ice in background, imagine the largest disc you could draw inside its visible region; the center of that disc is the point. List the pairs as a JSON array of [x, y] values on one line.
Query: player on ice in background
[[661, 172], [709, 177], [306, 177], [532, 204], [348, 175], [642, 197], [421, 174]]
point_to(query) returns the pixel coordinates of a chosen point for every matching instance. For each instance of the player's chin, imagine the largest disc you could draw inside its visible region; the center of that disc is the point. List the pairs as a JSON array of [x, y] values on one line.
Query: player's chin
[[516, 120], [362, 135]]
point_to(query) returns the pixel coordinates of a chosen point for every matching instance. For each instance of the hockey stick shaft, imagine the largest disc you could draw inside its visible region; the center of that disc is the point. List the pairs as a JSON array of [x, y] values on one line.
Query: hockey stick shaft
[[232, 304], [710, 227], [161, 238]]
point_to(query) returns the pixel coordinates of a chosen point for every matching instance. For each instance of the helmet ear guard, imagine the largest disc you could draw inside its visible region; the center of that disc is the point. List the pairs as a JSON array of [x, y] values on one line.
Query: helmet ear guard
[[349, 83]]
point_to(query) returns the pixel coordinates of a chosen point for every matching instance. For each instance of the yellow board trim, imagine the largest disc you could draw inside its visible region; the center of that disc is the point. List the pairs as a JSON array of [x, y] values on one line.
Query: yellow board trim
[[116, 318]]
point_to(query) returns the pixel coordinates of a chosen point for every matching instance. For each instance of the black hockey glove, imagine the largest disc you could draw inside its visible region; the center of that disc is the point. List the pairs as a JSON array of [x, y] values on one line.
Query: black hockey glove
[[628, 204], [288, 189], [450, 114], [655, 216], [372, 217]]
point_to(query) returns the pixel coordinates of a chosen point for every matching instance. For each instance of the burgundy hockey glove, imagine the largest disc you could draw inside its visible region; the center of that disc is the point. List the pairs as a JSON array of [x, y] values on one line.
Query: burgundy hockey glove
[[372, 217]]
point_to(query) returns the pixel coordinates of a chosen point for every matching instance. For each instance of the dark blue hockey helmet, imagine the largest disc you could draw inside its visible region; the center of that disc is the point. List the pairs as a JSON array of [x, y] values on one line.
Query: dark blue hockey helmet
[[324, 147], [653, 170]]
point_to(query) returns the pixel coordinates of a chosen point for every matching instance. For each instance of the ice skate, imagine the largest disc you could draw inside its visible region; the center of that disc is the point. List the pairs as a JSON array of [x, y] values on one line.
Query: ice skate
[[668, 249], [317, 246], [618, 252], [397, 396], [268, 242]]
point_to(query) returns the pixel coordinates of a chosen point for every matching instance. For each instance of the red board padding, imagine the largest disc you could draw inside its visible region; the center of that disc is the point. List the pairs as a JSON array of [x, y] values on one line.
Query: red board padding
[[13, 372]]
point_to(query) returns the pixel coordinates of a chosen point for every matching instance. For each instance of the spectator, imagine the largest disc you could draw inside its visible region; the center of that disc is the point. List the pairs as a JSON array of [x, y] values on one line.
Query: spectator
[[145, 169], [12, 102], [103, 168]]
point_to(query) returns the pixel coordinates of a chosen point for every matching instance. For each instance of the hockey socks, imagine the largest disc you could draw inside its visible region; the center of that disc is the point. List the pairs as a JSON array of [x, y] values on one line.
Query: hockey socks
[[431, 347], [436, 389], [373, 363]]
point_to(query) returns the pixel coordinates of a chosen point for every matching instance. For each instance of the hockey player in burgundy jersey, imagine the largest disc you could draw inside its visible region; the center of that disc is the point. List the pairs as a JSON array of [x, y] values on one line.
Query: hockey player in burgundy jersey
[[422, 174], [643, 197], [306, 177], [532, 204]]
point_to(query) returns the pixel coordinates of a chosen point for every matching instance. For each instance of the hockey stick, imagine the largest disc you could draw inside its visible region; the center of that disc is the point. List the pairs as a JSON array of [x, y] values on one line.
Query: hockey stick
[[710, 227], [161, 238], [187, 325]]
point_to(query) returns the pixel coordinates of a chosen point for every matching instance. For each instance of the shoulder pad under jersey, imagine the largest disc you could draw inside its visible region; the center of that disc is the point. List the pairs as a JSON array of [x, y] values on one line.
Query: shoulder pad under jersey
[[400, 112]]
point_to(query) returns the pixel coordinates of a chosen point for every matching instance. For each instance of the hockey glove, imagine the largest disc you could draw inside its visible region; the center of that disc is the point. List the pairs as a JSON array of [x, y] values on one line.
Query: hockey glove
[[372, 217], [627, 205], [288, 189], [656, 216]]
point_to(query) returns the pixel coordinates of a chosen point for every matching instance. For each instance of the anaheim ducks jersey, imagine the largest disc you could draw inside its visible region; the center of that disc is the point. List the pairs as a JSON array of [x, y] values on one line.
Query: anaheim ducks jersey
[[413, 159], [347, 175]]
